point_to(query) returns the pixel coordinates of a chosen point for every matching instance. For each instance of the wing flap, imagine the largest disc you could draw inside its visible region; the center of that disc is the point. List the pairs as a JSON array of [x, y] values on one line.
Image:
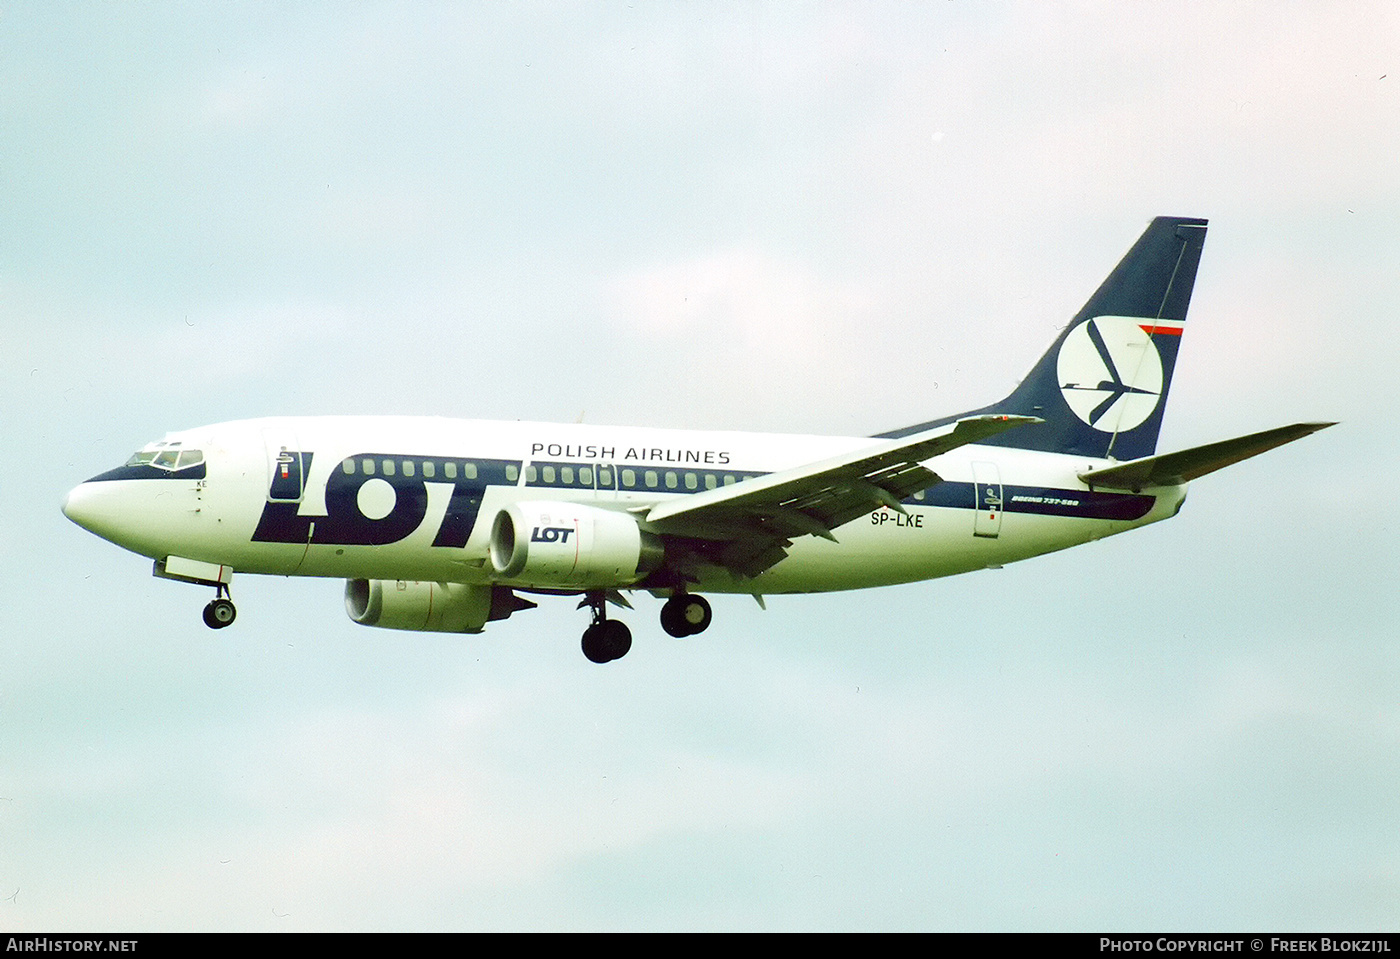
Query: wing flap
[[874, 476], [1173, 469], [748, 526]]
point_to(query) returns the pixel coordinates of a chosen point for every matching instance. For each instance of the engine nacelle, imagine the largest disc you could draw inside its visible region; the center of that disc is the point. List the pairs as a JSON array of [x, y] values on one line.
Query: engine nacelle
[[569, 545], [426, 607]]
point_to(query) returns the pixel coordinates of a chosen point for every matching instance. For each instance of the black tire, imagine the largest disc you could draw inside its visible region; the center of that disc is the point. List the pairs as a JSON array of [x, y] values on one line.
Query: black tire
[[603, 642], [593, 646], [673, 618], [219, 613], [685, 615], [697, 614], [617, 638]]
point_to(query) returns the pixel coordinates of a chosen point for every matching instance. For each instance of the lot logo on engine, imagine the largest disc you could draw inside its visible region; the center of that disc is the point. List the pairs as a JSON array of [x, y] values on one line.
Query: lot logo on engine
[[550, 534]]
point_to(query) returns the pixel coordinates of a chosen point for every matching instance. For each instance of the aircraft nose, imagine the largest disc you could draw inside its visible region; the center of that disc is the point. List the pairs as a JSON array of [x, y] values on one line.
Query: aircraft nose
[[76, 505], [139, 515], [86, 505]]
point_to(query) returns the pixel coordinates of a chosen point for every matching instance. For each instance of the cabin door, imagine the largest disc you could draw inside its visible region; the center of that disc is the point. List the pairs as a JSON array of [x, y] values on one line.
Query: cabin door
[[987, 479], [286, 467]]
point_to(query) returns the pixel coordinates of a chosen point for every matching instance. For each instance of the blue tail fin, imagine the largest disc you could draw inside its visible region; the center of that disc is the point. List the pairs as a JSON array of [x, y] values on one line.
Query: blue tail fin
[[1102, 386]]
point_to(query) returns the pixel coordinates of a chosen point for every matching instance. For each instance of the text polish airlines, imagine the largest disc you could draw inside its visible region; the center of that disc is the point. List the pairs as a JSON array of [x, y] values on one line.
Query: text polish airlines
[[441, 524]]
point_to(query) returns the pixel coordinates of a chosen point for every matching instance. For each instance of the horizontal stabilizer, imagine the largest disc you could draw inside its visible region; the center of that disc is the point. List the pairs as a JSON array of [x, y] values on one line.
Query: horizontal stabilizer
[[1174, 469]]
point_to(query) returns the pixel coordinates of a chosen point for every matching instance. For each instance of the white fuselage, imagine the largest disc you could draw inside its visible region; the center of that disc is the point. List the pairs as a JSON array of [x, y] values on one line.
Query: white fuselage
[[413, 498]]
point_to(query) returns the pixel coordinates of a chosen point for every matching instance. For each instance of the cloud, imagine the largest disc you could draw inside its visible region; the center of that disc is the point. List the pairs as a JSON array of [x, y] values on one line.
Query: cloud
[[759, 324], [742, 296]]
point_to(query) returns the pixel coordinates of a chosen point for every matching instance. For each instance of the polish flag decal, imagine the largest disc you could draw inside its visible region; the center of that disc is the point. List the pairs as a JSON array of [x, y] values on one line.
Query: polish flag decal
[[1164, 327]]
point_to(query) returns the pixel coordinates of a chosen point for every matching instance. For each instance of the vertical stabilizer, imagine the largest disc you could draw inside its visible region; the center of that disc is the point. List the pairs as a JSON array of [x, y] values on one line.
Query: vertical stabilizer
[[1102, 386]]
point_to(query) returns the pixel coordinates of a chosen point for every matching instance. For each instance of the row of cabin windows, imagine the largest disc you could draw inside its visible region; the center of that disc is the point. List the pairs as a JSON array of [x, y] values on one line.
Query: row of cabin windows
[[581, 476], [428, 469], [546, 475], [551, 475], [628, 478]]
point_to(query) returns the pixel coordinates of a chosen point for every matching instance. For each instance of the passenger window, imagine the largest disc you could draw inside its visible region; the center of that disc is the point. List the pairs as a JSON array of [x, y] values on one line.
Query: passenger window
[[585, 476], [531, 474], [671, 480], [449, 470], [728, 479], [566, 475], [388, 467], [691, 482], [347, 466], [512, 473], [368, 465], [408, 467], [605, 479], [469, 470], [429, 469], [651, 478], [548, 473], [710, 481]]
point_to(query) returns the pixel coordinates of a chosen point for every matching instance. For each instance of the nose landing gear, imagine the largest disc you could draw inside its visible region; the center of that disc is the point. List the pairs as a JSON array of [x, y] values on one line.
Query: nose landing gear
[[220, 611]]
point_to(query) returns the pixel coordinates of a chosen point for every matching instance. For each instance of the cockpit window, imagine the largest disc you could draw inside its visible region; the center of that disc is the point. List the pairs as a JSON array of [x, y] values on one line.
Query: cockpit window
[[166, 456]]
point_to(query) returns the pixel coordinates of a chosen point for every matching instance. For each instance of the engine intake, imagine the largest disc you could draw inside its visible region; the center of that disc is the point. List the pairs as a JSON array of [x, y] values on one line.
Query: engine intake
[[546, 544]]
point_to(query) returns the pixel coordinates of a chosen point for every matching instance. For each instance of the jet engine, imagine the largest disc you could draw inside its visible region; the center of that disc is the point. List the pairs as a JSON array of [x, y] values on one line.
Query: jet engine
[[426, 607], [569, 545]]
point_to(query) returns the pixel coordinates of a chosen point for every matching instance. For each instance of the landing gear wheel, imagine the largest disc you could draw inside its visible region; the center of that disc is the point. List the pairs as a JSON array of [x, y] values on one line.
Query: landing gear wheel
[[685, 615], [219, 613], [606, 640]]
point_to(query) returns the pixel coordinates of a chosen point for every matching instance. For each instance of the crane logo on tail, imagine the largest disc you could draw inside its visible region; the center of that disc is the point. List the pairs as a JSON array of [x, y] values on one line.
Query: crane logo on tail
[[1110, 372]]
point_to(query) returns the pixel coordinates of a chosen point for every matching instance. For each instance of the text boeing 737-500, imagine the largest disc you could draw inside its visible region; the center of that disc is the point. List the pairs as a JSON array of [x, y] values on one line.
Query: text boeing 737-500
[[441, 524]]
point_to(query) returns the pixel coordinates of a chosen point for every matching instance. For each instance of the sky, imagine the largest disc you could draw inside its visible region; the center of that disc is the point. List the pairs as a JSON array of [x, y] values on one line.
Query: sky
[[801, 217]]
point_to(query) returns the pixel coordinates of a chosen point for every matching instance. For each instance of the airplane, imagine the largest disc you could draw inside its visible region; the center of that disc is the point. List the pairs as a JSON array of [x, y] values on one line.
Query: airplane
[[441, 524]]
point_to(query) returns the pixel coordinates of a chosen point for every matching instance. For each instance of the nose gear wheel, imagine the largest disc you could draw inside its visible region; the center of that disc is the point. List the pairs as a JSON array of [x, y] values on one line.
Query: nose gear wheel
[[220, 612]]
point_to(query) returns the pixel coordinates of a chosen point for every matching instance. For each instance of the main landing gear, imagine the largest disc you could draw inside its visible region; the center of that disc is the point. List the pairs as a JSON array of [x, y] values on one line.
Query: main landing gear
[[684, 614], [606, 639], [220, 612]]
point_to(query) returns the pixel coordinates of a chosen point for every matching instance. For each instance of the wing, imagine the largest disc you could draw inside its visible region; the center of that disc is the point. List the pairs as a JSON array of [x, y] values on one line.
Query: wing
[[1175, 468], [747, 527]]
